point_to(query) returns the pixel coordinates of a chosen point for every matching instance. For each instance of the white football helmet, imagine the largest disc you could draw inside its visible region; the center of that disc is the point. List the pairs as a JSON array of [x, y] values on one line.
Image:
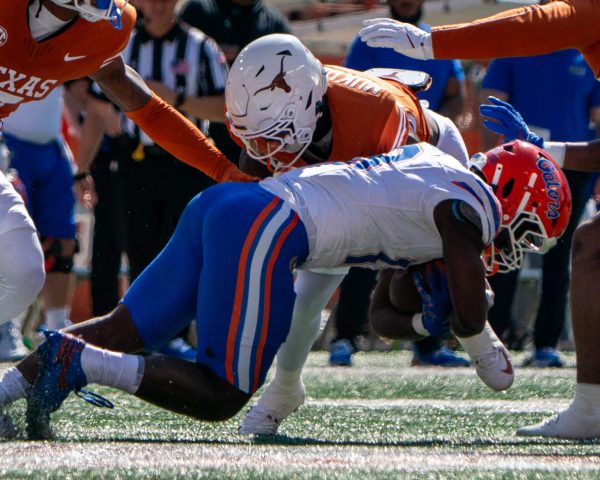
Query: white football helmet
[[100, 10], [274, 97]]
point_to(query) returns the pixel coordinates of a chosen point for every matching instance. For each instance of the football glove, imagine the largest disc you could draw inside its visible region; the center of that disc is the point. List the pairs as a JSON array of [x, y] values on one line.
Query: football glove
[[404, 38], [508, 122], [437, 304]]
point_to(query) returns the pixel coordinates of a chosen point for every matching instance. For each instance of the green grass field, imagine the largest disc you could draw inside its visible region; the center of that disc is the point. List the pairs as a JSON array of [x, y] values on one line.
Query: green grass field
[[380, 419]]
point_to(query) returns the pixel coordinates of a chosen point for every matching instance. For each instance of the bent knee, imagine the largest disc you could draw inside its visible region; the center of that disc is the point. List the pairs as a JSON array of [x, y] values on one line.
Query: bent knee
[[226, 400]]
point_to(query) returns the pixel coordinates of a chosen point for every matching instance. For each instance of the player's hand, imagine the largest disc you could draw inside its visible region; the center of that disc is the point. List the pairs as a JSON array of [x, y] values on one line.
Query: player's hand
[[85, 191], [435, 296], [505, 120], [404, 38]]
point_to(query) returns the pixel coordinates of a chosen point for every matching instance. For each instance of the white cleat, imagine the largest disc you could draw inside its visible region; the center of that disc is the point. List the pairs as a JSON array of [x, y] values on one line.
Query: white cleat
[[495, 368], [275, 405], [573, 422]]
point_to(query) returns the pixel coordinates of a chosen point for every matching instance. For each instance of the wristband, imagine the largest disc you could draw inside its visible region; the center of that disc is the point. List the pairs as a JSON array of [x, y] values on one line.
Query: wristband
[[557, 151], [417, 325], [80, 176]]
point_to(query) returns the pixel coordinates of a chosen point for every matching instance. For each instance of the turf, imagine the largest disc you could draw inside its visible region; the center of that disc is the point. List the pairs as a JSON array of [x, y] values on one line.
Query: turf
[[380, 419]]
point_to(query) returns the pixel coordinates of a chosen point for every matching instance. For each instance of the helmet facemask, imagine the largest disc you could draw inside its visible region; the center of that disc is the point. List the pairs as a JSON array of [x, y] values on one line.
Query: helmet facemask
[[279, 138], [103, 10]]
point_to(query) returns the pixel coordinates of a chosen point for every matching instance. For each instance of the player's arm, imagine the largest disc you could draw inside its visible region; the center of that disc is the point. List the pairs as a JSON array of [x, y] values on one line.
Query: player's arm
[[161, 122], [530, 30], [504, 119], [525, 31], [462, 247]]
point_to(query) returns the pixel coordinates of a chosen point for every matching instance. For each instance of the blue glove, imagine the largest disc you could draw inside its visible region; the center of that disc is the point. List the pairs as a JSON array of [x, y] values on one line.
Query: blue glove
[[508, 122], [436, 299]]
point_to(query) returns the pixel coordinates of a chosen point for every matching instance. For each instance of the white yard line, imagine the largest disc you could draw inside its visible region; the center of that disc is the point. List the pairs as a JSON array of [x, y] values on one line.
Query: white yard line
[[500, 406], [51, 457]]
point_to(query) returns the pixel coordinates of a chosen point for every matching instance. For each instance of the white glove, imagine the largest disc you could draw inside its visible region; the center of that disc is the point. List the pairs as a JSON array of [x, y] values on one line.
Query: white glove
[[404, 38]]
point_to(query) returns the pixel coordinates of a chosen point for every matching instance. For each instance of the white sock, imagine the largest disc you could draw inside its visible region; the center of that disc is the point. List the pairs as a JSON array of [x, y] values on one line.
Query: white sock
[[287, 379], [113, 369], [587, 395], [13, 386], [479, 343], [56, 318]]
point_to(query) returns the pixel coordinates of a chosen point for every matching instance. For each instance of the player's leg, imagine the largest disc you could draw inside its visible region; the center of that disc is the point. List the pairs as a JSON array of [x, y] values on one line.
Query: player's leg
[[582, 418], [52, 203], [21, 260], [285, 393], [240, 328], [352, 314]]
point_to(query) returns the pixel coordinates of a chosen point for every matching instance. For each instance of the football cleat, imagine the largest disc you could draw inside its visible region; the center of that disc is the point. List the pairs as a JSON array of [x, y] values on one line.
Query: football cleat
[[544, 358], [275, 405], [340, 353], [442, 357], [60, 374], [495, 368], [573, 422]]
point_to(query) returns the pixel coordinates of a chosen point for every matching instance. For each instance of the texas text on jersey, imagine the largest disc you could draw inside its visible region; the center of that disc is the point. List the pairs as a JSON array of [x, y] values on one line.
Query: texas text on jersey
[[30, 69]]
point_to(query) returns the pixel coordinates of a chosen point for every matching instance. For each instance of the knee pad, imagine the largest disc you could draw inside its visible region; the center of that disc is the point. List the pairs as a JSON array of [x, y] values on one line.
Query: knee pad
[[54, 259]]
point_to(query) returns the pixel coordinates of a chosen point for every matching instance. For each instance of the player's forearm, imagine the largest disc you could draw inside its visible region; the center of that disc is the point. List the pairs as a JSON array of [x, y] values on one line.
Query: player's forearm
[[531, 30], [178, 136]]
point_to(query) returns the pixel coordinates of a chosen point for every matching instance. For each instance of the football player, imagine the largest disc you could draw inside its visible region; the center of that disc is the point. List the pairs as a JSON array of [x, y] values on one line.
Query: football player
[[237, 245], [528, 30], [286, 109], [44, 43], [582, 417]]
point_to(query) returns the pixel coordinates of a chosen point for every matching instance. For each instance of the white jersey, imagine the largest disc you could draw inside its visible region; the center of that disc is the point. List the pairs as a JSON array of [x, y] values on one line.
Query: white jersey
[[378, 211]]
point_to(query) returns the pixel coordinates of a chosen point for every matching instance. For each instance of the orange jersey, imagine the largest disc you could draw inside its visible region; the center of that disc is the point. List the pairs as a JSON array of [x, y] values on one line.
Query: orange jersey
[[369, 115], [29, 70], [531, 30]]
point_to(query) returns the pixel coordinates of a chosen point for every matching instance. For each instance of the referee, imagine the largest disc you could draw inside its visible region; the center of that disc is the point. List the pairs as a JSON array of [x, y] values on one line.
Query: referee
[[187, 69]]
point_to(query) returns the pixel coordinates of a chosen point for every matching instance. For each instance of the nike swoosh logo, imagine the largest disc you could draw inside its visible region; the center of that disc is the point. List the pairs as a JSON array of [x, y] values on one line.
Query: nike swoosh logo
[[509, 368], [69, 58]]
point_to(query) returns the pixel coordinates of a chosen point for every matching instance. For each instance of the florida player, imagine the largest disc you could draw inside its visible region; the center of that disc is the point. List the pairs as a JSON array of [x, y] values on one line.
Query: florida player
[[287, 110], [387, 211], [44, 43], [524, 31]]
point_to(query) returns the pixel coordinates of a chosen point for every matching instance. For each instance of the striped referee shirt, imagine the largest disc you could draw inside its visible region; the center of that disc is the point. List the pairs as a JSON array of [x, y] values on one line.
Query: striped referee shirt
[[184, 60]]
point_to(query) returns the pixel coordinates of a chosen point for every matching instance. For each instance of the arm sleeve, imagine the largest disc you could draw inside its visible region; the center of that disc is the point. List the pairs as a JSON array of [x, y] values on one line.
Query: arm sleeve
[[178, 136], [531, 30]]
